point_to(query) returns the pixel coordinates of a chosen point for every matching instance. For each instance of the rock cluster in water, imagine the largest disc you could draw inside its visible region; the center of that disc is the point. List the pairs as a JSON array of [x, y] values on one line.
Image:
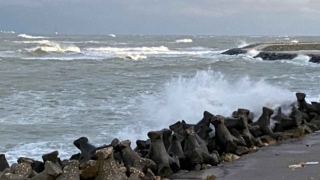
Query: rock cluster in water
[[183, 147]]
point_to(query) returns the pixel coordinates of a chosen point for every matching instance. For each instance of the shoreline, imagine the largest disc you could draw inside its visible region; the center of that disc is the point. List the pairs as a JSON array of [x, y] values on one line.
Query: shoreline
[[172, 153]]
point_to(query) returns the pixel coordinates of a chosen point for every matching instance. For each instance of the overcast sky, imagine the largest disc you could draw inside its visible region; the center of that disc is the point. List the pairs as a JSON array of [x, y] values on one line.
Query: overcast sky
[[162, 17]]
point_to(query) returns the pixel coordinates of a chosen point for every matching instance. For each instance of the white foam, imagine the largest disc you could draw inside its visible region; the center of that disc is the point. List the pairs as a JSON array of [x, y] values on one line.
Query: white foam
[[112, 35], [187, 98], [294, 41], [48, 46], [184, 41], [242, 44], [141, 52], [253, 52], [30, 37], [300, 60]]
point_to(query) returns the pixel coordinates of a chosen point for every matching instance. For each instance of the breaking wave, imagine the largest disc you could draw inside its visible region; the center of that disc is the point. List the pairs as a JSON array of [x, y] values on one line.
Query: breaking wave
[[186, 98], [48, 46], [30, 37], [184, 41]]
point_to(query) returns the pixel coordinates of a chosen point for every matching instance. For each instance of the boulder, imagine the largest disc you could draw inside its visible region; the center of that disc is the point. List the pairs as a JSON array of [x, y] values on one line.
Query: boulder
[[223, 136], [90, 170], [87, 149], [166, 164], [264, 123], [108, 167], [24, 169], [3, 162], [51, 172], [70, 171], [52, 157], [132, 160]]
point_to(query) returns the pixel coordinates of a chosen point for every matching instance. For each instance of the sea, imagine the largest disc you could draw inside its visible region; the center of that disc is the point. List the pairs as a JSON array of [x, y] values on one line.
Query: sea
[[56, 88]]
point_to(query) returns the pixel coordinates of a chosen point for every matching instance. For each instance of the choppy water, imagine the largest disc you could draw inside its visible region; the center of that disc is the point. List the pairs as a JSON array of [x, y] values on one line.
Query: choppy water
[[55, 89]]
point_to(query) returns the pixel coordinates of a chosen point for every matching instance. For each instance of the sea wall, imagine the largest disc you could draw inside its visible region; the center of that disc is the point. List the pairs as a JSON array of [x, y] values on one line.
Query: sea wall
[[180, 148]]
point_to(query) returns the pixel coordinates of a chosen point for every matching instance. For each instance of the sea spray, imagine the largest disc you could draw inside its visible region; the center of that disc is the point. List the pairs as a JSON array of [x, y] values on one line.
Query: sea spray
[[186, 98]]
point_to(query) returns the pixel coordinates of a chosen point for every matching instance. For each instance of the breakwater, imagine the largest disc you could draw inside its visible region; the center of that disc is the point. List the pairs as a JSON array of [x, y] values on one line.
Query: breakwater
[[182, 147]]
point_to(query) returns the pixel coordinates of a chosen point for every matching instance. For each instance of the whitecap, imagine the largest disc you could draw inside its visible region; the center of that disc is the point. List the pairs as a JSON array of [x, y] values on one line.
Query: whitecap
[[184, 41], [30, 37], [48, 46], [112, 35]]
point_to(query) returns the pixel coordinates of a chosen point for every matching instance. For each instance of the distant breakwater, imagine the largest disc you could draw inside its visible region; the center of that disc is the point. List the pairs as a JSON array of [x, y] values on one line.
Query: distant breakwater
[[280, 51], [182, 147]]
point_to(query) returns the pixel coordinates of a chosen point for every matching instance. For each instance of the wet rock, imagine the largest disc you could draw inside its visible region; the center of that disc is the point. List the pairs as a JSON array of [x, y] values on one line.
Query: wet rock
[[70, 171], [210, 177], [203, 132], [90, 170], [235, 51], [53, 157], [247, 136], [264, 123], [75, 157], [295, 133], [194, 152], [175, 147], [51, 172], [303, 105], [24, 169], [87, 149], [3, 162], [108, 168], [223, 136], [9, 176], [228, 157], [268, 140], [132, 160], [204, 122], [166, 133], [166, 164], [135, 174], [242, 150]]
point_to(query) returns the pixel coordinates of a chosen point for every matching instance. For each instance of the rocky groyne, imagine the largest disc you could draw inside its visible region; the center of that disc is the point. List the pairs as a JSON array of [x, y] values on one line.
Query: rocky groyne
[[280, 51], [181, 147]]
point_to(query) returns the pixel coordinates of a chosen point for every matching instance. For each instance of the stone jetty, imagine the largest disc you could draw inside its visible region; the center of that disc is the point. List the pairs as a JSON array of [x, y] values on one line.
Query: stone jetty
[[280, 51], [186, 151]]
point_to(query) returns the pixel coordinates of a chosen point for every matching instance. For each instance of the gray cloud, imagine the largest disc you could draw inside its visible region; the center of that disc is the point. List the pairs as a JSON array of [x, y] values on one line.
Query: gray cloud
[[229, 17]]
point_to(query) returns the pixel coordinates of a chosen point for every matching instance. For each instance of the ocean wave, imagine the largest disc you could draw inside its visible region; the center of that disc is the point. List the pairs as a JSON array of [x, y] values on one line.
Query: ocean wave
[[33, 42], [30, 37], [187, 98], [184, 41], [123, 52], [112, 35], [48, 46], [243, 44]]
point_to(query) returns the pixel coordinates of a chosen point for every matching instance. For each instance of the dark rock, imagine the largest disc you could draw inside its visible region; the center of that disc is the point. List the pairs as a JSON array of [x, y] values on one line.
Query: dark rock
[[264, 123], [75, 157], [248, 137], [303, 105], [235, 51], [166, 164], [3, 162], [223, 136], [203, 132], [37, 166], [194, 152], [108, 168], [166, 133], [51, 172], [204, 122], [87, 149], [53, 157], [175, 147], [132, 159], [275, 56]]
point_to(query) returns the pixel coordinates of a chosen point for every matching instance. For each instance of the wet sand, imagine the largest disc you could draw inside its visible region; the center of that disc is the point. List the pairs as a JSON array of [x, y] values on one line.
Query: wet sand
[[269, 163]]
